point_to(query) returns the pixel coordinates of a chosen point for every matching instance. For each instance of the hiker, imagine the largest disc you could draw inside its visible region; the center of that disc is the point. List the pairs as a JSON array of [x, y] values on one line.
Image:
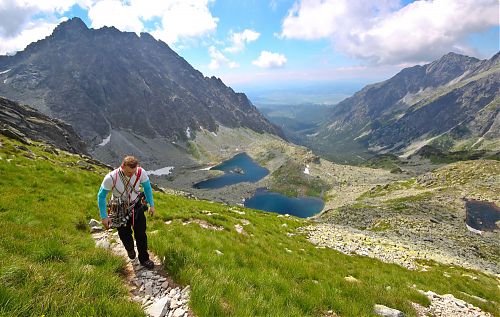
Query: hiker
[[127, 206]]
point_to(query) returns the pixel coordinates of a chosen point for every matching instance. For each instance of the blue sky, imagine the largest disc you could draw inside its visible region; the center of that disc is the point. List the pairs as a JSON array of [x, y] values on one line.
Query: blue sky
[[251, 43]]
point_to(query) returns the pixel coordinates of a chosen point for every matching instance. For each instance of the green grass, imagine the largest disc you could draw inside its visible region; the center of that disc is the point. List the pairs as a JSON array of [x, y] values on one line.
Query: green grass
[[49, 265], [383, 190], [388, 162], [290, 180], [194, 150]]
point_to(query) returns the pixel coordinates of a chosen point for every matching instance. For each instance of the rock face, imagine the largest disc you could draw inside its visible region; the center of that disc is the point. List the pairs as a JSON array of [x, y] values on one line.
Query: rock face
[[451, 102], [105, 80], [21, 122]]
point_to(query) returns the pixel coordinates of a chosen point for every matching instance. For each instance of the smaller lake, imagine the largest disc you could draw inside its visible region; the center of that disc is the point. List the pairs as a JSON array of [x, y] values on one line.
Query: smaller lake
[[240, 168], [482, 215], [301, 207]]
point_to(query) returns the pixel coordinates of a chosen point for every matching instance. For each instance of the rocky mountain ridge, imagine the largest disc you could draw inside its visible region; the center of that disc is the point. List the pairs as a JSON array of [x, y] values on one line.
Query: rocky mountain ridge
[[105, 81], [451, 103]]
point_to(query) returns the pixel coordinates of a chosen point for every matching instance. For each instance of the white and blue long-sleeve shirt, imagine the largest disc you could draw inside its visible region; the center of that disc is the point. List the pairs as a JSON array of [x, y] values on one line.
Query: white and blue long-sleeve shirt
[[119, 189]]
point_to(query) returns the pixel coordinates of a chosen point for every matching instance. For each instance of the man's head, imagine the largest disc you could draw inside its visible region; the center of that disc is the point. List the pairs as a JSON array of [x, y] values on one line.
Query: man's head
[[129, 165]]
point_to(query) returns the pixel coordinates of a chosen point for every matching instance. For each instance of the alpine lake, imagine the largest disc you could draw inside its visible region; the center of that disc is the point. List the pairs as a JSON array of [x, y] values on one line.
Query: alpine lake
[[481, 215], [242, 168]]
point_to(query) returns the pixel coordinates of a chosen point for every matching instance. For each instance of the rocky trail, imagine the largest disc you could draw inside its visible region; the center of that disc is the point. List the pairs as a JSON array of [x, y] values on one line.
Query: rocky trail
[[158, 295]]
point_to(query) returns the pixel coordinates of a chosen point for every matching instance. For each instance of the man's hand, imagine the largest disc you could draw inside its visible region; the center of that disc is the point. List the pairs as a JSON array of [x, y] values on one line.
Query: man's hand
[[106, 222], [152, 211]]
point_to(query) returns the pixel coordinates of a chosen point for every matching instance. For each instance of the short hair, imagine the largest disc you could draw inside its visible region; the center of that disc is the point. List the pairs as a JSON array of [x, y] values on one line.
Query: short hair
[[130, 161]]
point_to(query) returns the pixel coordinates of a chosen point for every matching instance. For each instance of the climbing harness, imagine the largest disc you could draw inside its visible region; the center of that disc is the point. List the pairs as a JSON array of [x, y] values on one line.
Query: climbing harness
[[121, 208]]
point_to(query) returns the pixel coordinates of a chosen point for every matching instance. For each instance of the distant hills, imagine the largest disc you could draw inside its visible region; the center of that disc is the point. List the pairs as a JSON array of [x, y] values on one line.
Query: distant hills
[[117, 87], [451, 104]]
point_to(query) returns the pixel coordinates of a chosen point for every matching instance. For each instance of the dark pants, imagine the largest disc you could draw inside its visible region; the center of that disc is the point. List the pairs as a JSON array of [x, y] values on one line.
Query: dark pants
[[139, 227]]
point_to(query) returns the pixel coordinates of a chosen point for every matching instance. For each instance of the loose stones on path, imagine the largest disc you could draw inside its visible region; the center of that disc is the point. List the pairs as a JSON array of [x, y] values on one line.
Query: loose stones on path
[[155, 291], [447, 305]]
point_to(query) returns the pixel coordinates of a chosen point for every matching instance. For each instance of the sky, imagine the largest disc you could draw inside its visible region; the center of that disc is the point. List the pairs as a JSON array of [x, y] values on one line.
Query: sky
[[275, 43]]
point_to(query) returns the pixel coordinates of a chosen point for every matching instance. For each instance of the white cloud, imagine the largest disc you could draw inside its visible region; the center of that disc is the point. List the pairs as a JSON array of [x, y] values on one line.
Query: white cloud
[[179, 19], [32, 32], [217, 59], [270, 60], [114, 13], [383, 32], [16, 15], [233, 65], [238, 40], [18, 28], [183, 18]]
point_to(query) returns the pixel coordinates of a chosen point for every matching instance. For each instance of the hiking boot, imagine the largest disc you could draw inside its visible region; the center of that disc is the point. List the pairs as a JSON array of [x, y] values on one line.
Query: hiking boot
[[148, 264], [131, 254]]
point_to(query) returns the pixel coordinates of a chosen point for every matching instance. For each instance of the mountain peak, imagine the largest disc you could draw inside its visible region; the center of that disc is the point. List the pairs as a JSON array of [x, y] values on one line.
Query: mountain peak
[[450, 66], [455, 57], [73, 23], [71, 26], [94, 79]]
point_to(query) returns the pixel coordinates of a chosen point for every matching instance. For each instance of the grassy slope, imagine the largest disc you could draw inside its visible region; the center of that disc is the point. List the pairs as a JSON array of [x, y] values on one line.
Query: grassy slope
[[290, 180], [50, 266], [48, 262]]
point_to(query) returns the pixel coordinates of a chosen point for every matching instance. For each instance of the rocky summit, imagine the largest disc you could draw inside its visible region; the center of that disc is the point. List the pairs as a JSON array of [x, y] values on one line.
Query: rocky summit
[[103, 81]]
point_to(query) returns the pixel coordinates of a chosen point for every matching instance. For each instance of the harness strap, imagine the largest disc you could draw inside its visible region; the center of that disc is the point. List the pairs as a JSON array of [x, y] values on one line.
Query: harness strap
[[137, 176], [114, 181]]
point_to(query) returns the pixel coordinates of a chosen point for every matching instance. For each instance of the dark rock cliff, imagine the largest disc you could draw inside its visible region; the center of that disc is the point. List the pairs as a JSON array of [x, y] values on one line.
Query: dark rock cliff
[[23, 123]]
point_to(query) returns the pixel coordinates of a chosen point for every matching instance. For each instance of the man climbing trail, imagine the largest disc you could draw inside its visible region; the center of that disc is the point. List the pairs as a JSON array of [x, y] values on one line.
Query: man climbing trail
[[125, 210]]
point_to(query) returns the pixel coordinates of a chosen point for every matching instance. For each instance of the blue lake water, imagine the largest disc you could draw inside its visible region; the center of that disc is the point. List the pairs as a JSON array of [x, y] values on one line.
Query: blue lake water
[[301, 207], [482, 215], [240, 168]]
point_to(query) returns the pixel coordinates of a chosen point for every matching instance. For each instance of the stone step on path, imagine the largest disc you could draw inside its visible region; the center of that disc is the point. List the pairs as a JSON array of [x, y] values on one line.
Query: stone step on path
[[448, 306], [153, 289]]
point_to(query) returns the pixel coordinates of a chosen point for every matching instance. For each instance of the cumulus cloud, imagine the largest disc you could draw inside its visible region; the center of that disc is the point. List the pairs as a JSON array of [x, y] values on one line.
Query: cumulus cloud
[[32, 32], [217, 59], [270, 60], [18, 28], [238, 40], [383, 32], [114, 13], [182, 19], [178, 19]]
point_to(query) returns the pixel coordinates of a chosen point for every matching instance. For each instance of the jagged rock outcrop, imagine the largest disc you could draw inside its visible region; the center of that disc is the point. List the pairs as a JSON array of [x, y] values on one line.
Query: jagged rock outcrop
[[105, 80], [24, 123]]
